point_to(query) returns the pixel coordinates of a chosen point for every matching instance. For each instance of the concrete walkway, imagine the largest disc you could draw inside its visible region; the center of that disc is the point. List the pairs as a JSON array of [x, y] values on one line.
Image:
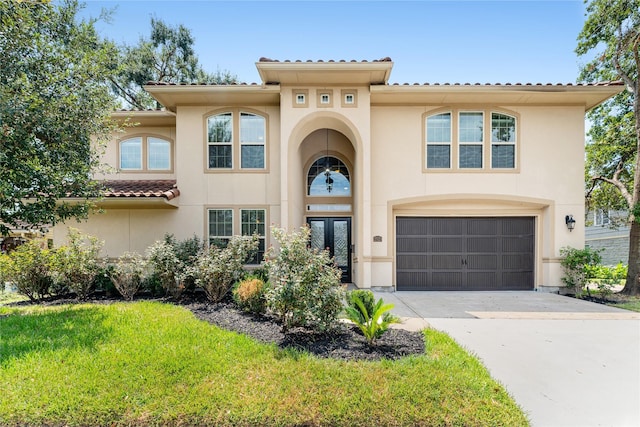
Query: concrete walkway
[[566, 362]]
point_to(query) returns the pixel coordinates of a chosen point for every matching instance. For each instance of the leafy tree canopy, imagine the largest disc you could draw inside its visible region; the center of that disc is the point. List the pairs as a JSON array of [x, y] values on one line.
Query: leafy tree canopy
[[166, 56], [611, 33], [54, 112]]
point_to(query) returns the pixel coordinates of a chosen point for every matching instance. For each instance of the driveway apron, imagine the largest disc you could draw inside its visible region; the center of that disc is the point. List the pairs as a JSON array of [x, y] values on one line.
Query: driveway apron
[[566, 362]]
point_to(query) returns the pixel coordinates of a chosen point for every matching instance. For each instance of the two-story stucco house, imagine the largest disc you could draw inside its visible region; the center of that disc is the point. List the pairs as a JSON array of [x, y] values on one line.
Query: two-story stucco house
[[411, 187]]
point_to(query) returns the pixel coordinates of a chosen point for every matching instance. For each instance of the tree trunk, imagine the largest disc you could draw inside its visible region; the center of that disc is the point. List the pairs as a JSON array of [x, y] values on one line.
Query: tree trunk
[[632, 286]]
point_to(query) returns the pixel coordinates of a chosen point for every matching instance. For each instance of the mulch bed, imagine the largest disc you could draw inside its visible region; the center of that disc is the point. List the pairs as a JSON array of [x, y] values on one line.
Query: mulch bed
[[346, 342]]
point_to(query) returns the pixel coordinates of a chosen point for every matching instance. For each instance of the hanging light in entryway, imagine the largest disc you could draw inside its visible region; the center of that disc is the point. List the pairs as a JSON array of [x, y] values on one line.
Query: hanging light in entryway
[[327, 172]]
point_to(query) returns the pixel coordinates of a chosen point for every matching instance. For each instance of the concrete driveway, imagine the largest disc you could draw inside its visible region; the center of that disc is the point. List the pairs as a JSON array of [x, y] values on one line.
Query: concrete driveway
[[566, 362]]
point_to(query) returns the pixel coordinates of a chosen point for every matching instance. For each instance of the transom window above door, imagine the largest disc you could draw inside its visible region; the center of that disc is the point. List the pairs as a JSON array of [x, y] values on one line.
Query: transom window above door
[[470, 140], [328, 176], [236, 140]]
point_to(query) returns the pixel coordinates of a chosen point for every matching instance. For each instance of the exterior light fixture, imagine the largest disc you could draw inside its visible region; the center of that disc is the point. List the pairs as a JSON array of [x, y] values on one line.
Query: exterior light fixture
[[571, 223], [327, 172]]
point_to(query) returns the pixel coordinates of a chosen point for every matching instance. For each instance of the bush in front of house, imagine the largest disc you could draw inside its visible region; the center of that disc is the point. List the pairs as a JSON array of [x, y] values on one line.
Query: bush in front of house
[[249, 295], [164, 263], [216, 269], [575, 263], [29, 269], [77, 264], [128, 273], [304, 284]]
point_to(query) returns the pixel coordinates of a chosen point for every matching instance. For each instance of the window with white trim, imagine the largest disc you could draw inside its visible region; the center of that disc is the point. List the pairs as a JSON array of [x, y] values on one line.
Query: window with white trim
[[223, 144], [503, 141], [252, 221], [601, 217], [220, 227], [438, 136], [461, 135], [470, 139], [145, 153]]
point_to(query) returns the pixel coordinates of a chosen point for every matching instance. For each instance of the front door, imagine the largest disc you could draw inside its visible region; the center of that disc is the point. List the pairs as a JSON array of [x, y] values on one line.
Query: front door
[[333, 234]]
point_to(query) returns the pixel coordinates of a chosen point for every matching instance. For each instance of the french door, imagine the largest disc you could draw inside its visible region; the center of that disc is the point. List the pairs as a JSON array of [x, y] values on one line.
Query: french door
[[333, 234]]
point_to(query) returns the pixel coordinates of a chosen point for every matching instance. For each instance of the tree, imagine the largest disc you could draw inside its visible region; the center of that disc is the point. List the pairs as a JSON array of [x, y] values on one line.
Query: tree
[[167, 56], [612, 31], [55, 112]]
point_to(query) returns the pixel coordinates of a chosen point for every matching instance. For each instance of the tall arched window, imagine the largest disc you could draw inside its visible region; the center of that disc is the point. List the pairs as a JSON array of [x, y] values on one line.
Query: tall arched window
[[328, 176]]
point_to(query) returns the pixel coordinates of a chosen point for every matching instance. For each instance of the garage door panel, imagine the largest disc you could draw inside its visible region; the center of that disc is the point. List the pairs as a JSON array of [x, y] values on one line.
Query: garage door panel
[[482, 244], [443, 280], [517, 244], [446, 262], [465, 253], [413, 262], [413, 244], [482, 226], [482, 262], [447, 244], [447, 227]]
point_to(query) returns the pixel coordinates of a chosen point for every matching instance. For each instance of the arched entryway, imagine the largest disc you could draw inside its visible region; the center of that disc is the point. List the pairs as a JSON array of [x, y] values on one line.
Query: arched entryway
[[328, 173]]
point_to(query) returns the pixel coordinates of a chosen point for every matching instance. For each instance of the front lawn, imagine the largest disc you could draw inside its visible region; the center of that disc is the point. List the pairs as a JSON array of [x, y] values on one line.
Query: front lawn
[[149, 363]]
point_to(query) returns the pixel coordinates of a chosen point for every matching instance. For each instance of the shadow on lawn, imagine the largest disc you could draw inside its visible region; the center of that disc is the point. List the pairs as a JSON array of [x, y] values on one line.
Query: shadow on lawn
[[51, 330]]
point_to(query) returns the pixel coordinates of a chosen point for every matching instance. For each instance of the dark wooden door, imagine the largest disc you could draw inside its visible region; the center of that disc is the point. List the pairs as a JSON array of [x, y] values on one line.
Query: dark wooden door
[[333, 234], [465, 253]]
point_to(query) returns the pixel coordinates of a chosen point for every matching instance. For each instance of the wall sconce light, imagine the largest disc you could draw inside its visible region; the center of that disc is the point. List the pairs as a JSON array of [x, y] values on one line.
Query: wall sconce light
[[571, 223]]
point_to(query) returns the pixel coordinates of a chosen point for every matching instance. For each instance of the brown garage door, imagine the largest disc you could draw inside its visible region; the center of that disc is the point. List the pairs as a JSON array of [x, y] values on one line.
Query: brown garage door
[[464, 254]]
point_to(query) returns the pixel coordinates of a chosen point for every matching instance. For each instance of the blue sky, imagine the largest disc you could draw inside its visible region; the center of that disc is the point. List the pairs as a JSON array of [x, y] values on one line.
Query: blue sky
[[473, 41]]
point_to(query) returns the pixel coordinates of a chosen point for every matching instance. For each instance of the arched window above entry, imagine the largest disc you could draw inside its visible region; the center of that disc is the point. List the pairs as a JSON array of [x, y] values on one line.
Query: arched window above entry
[[328, 176]]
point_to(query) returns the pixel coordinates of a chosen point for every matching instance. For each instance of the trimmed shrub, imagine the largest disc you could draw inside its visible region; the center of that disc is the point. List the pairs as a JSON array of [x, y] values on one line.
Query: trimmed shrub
[[169, 270], [128, 273], [304, 284], [217, 269], [575, 263], [249, 294], [29, 269], [77, 264], [365, 296]]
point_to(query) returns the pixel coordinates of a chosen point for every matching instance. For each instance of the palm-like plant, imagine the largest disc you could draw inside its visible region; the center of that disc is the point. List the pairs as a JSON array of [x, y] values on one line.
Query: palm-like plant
[[372, 321]]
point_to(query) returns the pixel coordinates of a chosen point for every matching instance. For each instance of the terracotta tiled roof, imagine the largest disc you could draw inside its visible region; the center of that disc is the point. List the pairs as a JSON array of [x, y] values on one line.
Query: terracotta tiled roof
[[609, 83], [385, 59], [142, 188]]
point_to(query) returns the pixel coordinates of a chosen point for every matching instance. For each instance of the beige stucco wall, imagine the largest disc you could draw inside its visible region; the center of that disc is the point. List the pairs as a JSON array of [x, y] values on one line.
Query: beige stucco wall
[[384, 147]]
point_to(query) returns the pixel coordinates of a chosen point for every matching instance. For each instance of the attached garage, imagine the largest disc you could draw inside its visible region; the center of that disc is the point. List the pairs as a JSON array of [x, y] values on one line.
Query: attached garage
[[465, 254]]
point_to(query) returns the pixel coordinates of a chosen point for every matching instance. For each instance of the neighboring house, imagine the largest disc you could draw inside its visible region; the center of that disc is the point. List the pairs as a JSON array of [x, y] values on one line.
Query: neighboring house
[[608, 231], [411, 187]]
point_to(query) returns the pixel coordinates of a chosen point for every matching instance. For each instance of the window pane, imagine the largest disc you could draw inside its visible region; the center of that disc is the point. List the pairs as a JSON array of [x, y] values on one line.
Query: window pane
[[439, 128], [131, 154], [252, 156], [252, 128], [338, 176], [470, 127], [470, 156], [503, 128], [503, 156], [220, 156], [438, 156], [253, 222], [220, 128], [158, 154], [220, 226]]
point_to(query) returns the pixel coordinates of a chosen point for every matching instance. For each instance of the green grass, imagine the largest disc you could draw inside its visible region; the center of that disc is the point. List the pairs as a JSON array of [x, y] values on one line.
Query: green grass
[[629, 303], [149, 363]]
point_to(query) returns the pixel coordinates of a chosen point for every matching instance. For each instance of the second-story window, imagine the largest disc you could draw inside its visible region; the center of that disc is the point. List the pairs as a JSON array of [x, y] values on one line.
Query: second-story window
[[439, 141], [470, 140], [236, 135], [145, 153]]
